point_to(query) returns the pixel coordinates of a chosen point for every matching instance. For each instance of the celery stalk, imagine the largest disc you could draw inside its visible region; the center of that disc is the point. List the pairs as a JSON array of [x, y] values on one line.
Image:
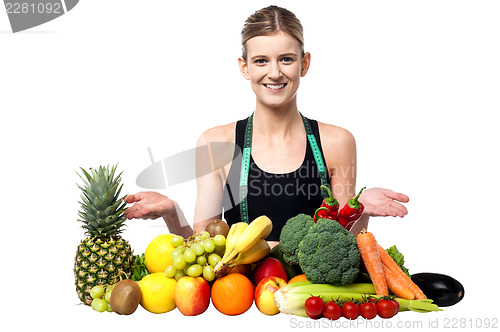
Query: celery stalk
[[307, 286], [291, 298]]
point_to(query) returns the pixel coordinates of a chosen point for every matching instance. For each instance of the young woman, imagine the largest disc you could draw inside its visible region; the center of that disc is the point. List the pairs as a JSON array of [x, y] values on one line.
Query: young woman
[[285, 151]]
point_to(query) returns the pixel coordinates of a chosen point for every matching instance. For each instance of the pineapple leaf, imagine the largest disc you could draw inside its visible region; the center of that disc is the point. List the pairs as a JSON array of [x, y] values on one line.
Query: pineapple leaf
[[87, 175], [89, 208], [112, 173], [117, 194], [99, 204], [85, 216]]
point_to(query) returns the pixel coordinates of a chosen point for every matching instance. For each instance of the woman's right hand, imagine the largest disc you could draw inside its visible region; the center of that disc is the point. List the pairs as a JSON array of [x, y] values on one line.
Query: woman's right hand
[[149, 205]]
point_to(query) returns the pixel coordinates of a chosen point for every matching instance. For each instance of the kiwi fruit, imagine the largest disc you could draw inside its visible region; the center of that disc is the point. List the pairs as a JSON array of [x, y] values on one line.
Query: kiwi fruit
[[216, 227], [125, 297]]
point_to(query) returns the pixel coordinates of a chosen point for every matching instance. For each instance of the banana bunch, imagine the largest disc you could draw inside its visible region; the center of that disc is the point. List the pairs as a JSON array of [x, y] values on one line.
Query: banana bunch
[[245, 244]]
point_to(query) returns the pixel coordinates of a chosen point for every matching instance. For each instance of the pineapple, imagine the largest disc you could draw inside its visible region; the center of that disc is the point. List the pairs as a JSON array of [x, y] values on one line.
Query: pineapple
[[103, 258]]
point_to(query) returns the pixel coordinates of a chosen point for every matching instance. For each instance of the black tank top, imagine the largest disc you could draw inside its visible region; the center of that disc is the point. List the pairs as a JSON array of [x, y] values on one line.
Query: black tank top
[[278, 196]]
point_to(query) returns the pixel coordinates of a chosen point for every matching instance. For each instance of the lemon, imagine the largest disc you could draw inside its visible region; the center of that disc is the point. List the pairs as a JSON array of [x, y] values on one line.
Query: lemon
[[157, 254], [157, 293]]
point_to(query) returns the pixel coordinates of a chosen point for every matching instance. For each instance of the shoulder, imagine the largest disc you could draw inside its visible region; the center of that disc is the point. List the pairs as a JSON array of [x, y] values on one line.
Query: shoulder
[[334, 137], [222, 133]]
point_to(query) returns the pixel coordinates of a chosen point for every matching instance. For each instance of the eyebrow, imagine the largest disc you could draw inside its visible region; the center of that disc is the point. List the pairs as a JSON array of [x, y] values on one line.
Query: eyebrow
[[281, 55]]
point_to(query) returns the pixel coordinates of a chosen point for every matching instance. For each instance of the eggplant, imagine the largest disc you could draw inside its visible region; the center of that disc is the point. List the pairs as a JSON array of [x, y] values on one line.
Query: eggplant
[[442, 289]]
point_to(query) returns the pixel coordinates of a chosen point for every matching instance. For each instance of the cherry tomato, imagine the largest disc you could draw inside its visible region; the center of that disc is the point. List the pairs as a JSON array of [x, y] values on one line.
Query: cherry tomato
[[350, 310], [386, 308], [368, 310], [332, 311], [397, 305], [314, 307]]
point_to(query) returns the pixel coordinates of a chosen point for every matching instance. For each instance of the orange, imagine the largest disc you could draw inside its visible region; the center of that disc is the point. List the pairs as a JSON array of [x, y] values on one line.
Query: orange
[[300, 277], [232, 294]]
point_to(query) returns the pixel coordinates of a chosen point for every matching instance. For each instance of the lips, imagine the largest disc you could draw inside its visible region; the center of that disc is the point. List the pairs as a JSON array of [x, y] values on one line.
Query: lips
[[275, 87]]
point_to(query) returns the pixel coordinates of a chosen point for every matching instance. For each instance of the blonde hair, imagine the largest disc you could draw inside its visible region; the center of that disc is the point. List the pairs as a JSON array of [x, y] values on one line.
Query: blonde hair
[[269, 20]]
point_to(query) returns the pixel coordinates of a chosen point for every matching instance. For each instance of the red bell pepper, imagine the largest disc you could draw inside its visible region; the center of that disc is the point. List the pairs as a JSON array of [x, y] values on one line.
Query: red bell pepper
[[321, 213], [351, 212], [329, 209]]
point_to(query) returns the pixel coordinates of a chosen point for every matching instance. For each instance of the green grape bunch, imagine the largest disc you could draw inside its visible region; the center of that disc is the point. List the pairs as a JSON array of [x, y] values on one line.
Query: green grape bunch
[[195, 256], [100, 298]]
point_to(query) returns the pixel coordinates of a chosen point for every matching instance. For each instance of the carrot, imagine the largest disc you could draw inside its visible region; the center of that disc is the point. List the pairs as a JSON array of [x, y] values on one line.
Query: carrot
[[368, 248], [391, 265], [396, 285]]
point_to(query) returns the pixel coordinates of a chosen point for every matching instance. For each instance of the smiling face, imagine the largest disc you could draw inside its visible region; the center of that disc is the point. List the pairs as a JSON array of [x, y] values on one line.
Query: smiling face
[[274, 66]]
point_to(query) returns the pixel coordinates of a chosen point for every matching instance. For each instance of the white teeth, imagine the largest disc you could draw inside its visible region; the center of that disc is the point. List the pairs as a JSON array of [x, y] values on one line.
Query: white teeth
[[275, 86]]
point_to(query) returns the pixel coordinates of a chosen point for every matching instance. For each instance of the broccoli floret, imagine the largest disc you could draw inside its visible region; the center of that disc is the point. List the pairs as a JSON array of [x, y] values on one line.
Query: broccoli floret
[[329, 254], [291, 234]]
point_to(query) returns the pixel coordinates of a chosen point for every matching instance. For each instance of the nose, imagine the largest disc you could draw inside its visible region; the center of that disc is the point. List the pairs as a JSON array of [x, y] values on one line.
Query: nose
[[274, 71]]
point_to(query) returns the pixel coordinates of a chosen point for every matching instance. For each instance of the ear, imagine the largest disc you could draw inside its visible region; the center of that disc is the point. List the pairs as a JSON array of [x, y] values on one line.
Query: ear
[[243, 68], [306, 62]]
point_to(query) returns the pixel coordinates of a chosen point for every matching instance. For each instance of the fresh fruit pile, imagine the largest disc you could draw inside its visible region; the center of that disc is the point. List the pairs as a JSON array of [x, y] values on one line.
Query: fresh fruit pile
[[197, 256], [234, 267]]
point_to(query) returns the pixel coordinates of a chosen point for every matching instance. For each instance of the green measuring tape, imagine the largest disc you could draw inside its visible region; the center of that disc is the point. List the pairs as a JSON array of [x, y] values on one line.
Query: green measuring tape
[[245, 164]]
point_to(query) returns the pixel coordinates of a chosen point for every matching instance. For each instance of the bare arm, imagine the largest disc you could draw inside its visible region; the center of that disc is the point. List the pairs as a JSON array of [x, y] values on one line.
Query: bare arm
[[209, 194], [210, 187]]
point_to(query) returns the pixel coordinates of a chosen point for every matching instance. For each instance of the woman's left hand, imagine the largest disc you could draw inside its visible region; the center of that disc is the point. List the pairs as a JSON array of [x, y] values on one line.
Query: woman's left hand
[[380, 202]]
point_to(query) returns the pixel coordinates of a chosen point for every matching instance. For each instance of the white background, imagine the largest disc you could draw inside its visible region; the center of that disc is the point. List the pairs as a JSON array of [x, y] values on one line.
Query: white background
[[416, 82]]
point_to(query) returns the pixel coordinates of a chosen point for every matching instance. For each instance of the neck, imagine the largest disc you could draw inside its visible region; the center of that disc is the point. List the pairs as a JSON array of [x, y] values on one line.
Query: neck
[[277, 122]]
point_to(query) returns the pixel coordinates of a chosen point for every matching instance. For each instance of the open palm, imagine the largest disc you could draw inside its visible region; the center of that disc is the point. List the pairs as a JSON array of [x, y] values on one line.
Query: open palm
[[380, 202], [148, 205]]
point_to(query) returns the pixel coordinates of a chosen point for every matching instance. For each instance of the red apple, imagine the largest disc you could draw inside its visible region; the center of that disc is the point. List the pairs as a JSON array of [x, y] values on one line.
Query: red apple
[[264, 294], [192, 295], [269, 267]]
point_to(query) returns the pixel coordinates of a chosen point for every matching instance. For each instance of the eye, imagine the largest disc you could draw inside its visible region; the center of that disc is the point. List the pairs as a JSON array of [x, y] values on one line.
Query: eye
[[287, 59], [260, 61]]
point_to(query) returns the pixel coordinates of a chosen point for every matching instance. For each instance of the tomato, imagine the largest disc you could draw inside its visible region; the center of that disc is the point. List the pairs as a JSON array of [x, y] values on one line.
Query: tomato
[[397, 305], [368, 310], [314, 307], [332, 311], [350, 310], [386, 308]]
